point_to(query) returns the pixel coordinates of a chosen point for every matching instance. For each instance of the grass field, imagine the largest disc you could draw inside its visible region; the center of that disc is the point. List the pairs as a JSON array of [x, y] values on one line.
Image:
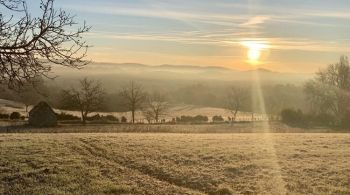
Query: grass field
[[258, 127], [130, 163]]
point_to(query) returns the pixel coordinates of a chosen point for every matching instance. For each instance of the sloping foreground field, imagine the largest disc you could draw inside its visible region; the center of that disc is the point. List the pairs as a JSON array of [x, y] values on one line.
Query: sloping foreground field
[[174, 163]]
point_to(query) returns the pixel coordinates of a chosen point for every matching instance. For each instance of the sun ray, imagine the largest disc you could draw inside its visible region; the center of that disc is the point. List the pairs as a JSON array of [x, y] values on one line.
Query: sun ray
[[258, 106]]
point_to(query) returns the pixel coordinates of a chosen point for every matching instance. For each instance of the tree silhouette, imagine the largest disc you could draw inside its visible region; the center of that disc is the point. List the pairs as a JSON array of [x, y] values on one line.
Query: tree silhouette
[[155, 107], [134, 97], [236, 98], [88, 97]]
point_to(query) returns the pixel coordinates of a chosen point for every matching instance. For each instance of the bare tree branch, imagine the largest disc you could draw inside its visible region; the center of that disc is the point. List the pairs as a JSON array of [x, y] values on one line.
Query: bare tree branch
[[31, 45]]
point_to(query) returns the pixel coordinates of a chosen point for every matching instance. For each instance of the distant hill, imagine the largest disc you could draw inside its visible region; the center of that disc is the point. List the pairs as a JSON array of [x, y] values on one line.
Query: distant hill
[[172, 75]]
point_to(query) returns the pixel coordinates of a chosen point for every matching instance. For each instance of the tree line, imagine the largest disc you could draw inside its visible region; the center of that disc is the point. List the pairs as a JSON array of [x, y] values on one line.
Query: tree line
[[90, 95], [328, 97]]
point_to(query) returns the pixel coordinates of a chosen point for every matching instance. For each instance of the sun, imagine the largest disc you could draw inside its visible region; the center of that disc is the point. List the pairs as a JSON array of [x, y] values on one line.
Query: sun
[[254, 54], [254, 50]]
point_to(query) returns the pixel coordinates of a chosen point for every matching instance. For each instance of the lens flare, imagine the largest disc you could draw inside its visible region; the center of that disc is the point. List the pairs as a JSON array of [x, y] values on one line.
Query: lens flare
[[254, 50]]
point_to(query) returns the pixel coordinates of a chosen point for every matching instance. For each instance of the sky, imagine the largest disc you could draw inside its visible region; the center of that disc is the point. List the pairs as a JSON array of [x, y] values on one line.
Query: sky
[[287, 35]]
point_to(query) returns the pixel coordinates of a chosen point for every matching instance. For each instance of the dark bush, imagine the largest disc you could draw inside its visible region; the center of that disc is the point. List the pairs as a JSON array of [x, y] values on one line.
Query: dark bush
[[101, 118], [124, 119], [293, 117], [111, 118], [191, 119], [345, 121], [200, 118], [4, 116], [298, 119], [218, 119], [185, 119], [95, 117], [15, 116], [66, 117]]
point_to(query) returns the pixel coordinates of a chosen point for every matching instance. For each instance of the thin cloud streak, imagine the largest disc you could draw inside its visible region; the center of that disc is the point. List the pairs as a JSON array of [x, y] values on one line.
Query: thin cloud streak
[[228, 40]]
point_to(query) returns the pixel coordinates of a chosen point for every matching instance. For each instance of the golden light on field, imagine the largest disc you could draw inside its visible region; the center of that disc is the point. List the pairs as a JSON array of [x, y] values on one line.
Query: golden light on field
[[255, 49]]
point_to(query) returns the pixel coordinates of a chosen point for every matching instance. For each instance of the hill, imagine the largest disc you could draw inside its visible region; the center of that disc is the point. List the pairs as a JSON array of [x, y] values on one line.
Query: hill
[[172, 75]]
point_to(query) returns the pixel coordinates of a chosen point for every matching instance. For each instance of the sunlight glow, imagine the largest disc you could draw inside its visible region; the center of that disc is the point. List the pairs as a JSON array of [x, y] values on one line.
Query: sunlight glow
[[254, 54], [254, 50]]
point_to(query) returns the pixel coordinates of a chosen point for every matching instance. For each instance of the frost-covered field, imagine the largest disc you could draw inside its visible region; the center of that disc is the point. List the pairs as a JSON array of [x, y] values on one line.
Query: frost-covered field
[[136, 163]]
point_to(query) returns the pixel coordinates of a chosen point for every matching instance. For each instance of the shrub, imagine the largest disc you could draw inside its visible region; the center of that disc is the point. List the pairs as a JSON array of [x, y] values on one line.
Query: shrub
[[111, 118], [293, 117], [15, 116], [101, 118], [95, 117], [190, 119], [66, 117], [4, 116], [218, 119], [200, 118], [297, 118], [185, 119], [124, 119]]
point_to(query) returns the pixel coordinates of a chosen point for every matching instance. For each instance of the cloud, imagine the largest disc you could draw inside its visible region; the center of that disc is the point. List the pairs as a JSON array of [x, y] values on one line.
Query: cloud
[[329, 14], [216, 38], [152, 12], [226, 39], [254, 21]]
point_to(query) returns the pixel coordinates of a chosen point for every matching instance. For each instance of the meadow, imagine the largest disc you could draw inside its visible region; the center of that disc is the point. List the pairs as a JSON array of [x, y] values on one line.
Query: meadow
[[174, 163], [77, 127]]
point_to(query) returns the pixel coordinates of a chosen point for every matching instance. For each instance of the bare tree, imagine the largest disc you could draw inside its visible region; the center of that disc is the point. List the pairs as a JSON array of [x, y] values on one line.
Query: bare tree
[[87, 98], [29, 46], [148, 114], [156, 106], [329, 91], [134, 97], [236, 98]]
